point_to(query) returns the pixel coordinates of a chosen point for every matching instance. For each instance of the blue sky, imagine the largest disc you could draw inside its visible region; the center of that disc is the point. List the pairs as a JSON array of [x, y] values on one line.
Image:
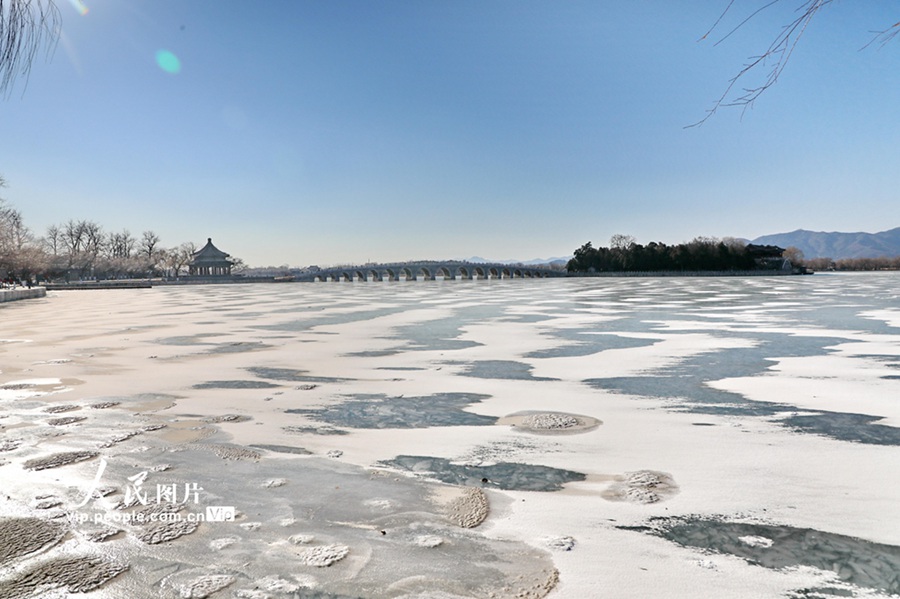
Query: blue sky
[[338, 131]]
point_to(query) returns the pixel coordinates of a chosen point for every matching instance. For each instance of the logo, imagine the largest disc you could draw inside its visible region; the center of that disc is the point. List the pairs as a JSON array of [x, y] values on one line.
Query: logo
[[220, 513], [182, 494]]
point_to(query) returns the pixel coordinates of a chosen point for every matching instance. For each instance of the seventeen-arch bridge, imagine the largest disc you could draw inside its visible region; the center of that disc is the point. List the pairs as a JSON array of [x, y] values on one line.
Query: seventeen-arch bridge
[[430, 271]]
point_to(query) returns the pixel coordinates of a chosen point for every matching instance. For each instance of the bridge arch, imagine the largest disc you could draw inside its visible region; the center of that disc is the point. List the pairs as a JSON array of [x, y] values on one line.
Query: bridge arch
[[444, 272]]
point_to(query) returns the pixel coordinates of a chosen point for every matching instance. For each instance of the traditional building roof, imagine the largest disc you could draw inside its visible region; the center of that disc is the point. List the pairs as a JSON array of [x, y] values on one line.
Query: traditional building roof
[[209, 253]]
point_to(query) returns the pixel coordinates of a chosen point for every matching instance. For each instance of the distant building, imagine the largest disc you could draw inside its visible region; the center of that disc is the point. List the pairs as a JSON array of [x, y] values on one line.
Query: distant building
[[210, 261], [769, 257]]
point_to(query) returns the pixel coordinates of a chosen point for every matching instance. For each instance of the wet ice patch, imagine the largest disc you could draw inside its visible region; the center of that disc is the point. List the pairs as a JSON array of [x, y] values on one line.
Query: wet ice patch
[[237, 347], [282, 448], [888, 316], [857, 428], [235, 385], [502, 475], [856, 561], [383, 411], [314, 430], [499, 369], [292, 375], [441, 334], [585, 343], [199, 339], [692, 384]]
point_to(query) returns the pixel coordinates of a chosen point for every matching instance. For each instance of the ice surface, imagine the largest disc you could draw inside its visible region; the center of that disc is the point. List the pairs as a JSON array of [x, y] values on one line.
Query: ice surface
[[749, 424]]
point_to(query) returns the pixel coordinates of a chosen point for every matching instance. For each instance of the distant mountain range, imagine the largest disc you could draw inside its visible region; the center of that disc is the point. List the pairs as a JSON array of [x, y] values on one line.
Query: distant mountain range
[[535, 262], [837, 246]]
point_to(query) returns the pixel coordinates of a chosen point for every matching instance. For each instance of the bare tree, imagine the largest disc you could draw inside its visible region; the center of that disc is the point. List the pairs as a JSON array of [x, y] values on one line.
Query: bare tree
[[13, 235], [54, 246], [119, 245], [53, 239], [72, 236], [93, 238], [149, 244], [21, 255], [734, 242], [178, 258], [794, 254], [25, 27], [83, 241], [621, 242], [773, 60]]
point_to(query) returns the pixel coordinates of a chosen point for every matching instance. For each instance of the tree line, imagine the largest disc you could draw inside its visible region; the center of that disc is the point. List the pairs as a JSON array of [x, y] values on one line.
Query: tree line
[[879, 263], [700, 254], [82, 249]]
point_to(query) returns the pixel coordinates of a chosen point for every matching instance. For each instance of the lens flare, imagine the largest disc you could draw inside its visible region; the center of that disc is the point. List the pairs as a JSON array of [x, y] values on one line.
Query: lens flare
[[168, 61], [79, 6]]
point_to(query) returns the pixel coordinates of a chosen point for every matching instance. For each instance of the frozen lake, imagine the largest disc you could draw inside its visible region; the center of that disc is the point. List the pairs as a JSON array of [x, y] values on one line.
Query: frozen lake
[[577, 437]]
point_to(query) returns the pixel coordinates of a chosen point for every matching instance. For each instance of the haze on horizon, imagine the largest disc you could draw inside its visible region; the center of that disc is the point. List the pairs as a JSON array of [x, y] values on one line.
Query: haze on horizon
[[349, 131]]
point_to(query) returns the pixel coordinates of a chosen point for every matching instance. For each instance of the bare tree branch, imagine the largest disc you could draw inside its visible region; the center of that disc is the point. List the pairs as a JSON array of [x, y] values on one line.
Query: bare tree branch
[[777, 55], [884, 36], [25, 26]]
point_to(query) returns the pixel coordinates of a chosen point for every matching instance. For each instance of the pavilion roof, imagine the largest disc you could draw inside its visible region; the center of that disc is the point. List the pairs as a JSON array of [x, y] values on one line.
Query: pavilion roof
[[209, 253]]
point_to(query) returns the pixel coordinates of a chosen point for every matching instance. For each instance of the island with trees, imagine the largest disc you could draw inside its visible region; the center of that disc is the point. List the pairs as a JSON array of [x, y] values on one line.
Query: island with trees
[[701, 255]]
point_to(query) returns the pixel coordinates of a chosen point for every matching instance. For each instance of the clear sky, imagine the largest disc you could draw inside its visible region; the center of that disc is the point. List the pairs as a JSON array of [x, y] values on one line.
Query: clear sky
[[337, 131]]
